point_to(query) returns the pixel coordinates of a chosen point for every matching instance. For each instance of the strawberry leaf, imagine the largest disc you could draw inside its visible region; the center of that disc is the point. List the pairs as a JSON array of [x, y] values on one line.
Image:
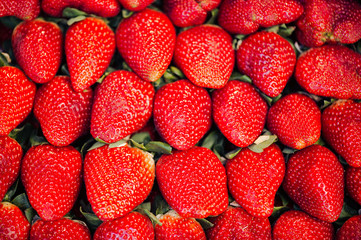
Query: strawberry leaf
[[126, 13], [120, 143], [11, 192], [205, 223], [21, 201], [30, 214], [210, 140], [262, 142], [161, 205], [4, 59], [71, 21], [96, 145], [158, 147], [92, 220], [285, 31], [233, 153], [73, 13], [141, 137], [214, 14], [138, 145]]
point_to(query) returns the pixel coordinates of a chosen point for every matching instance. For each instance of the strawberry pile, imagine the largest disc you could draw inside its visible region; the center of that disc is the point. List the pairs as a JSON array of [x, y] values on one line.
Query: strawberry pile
[[180, 119]]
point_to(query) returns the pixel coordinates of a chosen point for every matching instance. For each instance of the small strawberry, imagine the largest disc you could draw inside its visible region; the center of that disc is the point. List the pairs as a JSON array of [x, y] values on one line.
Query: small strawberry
[[89, 47], [13, 224], [24, 9], [135, 5], [353, 183], [16, 98], [315, 181], [350, 230], [239, 112], [146, 42], [51, 177], [205, 55], [330, 71]]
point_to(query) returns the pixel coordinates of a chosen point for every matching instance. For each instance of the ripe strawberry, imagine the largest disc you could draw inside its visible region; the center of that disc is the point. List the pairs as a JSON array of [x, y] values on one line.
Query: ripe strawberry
[[117, 179], [16, 98], [350, 230], [205, 55], [146, 42], [339, 78], [239, 112], [245, 17], [135, 5], [182, 176], [51, 177], [123, 104], [341, 123], [315, 181], [182, 113], [25, 9], [13, 224], [353, 183], [268, 59], [299, 225], [131, 226], [89, 47], [296, 120]]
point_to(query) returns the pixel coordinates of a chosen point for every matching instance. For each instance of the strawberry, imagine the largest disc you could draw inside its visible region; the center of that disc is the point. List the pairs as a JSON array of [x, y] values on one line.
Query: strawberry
[[16, 98], [268, 59], [182, 176], [341, 123], [13, 224], [205, 55], [117, 179], [350, 230], [245, 17], [296, 120], [315, 181], [299, 225], [146, 42], [236, 223], [239, 112], [353, 183], [131, 226], [123, 104], [175, 227], [182, 113], [63, 114], [135, 5], [339, 78], [25, 9], [51, 177], [89, 47]]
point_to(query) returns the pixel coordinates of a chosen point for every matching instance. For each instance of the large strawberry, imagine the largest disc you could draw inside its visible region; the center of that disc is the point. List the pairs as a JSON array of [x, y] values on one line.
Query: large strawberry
[[350, 230], [89, 47], [16, 98], [268, 59], [353, 183], [146, 42], [205, 55], [330, 71], [315, 181], [51, 177], [239, 112], [123, 104], [24, 9], [13, 224], [193, 182], [135, 5]]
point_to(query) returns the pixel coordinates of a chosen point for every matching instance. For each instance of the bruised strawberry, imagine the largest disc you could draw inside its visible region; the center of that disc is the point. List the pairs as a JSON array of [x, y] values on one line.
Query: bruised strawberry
[[24, 9], [350, 230], [135, 5], [239, 112], [353, 183], [89, 47], [146, 42], [205, 55], [13, 224]]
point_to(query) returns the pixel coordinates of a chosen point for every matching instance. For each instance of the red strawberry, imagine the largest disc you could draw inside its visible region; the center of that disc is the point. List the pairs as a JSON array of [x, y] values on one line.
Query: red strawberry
[[37, 46], [236, 223], [353, 183], [117, 179], [89, 47], [299, 225], [24, 9], [175, 227], [245, 17], [13, 224], [51, 177], [296, 120], [16, 98], [123, 104], [268, 59], [205, 55], [146, 42], [330, 71], [131, 226], [315, 181], [63, 114], [193, 182], [239, 112], [182, 113], [350, 230], [341, 123], [135, 5]]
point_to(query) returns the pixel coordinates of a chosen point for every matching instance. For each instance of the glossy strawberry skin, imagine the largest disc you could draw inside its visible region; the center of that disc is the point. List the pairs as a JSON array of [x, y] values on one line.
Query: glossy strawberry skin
[[89, 47], [205, 55], [353, 183], [268, 59], [315, 181], [135, 5], [181, 177], [123, 104], [239, 112], [16, 98], [51, 177], [13, 224], [350, 230], [182, 113], [339, 78], [146, 42], [26, 10]]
